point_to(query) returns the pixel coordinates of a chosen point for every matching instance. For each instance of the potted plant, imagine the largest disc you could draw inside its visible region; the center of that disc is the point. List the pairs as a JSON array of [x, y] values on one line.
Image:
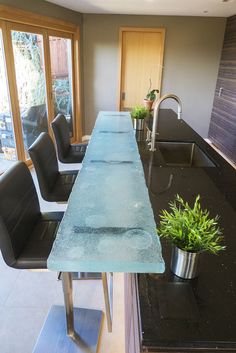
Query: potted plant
[[191, 231], [138, 113], [150, 97]]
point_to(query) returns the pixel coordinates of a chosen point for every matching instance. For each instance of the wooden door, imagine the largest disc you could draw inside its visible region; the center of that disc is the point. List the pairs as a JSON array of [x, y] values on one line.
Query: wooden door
[[141, 63]]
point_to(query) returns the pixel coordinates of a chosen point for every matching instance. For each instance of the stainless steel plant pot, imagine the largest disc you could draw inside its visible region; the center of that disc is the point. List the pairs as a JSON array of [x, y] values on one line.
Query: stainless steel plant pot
[[139, 134], [184, 264], [138, 124]]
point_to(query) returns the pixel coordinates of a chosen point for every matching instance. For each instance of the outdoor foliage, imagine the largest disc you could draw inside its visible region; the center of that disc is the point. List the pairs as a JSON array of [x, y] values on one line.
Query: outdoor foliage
[[28, 55], [62, 102], [29, 73], [31, 88], [4, 103], [190, 229]]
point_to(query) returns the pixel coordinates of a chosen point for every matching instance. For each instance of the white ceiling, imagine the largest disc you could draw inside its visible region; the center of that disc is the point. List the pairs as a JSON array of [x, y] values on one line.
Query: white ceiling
[[221, 8]]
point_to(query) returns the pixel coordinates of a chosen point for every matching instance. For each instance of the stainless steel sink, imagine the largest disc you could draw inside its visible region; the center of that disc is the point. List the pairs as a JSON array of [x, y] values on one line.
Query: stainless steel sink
[[183, 154]]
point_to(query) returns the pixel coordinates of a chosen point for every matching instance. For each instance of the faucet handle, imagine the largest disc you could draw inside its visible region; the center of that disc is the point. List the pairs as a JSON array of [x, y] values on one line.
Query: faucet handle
[[179, 114], [151, 148], [148, 139]]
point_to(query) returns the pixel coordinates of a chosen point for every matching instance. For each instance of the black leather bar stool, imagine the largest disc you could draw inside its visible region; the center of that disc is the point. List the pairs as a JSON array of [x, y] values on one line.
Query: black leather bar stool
[[26, 234], [66, 152], [54, 185]]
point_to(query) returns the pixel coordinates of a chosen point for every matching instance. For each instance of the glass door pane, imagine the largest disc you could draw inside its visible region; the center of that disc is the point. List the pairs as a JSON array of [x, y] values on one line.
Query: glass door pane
[[7, 139], [61, 71], [30, 78]]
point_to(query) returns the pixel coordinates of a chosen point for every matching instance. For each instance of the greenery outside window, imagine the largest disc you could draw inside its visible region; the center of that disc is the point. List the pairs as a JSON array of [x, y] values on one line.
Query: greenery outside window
[[41, 76]]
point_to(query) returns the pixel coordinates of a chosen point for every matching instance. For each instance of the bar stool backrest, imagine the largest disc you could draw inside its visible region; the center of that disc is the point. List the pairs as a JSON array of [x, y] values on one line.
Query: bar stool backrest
[[19, 210], [43, 154], [62, 135]]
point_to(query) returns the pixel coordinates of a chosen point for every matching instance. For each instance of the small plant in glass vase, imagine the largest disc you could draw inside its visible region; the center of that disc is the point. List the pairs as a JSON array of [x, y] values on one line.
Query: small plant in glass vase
[[191, 232], [150, 97]]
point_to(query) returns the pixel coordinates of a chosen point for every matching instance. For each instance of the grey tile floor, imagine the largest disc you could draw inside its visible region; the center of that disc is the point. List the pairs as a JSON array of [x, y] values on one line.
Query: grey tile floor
[[26, 297], [4, 163]]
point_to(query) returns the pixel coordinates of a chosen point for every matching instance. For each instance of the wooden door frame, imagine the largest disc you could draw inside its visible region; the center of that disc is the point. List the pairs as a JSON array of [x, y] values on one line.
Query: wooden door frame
[[47, 71], [13, 94], [160, 30], [26, 20], [60, 34], [16, 15]]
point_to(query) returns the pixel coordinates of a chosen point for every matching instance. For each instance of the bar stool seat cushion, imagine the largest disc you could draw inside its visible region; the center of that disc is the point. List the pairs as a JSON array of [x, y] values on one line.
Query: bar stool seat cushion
[[66, 152], [60, 192], [36, 251], [26, 234], [75, 153], [54, 185]]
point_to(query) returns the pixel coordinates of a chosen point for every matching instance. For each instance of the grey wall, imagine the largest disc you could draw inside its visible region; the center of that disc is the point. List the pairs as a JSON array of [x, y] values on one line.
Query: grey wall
[[45, 8], [191, 59], [192, 53]]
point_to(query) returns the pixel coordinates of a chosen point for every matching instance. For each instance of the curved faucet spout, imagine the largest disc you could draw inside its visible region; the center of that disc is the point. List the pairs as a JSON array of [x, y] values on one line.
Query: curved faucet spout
[[156, 115]]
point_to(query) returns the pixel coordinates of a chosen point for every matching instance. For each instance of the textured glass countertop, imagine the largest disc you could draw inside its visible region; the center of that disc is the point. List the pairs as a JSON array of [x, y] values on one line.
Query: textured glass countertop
[[109, 224]]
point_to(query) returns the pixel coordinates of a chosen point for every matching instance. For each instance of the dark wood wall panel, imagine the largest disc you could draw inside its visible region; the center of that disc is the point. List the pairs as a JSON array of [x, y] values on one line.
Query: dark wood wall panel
[[222, 131]]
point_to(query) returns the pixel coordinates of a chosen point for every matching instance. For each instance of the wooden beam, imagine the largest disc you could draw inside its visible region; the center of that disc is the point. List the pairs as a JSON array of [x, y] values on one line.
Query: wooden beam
[[13, 14]]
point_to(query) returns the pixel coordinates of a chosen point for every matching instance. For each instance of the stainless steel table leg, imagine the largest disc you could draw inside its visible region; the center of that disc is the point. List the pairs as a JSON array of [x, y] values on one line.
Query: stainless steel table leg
[[68, 299], [78, 332], [107, 300]]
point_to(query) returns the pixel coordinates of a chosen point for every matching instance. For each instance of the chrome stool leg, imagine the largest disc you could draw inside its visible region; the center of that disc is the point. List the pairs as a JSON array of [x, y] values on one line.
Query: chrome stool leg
[[108, 299], [68, 299]]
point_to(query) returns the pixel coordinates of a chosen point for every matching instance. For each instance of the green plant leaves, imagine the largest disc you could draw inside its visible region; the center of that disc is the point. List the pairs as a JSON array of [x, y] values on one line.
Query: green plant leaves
[[139, 112], [152, 94], [190, 229]]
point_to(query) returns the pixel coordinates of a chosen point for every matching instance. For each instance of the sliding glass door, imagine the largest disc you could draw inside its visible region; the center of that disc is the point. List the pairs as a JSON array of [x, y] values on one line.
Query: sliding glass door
[[36, 83], [31, 85], [7, 139], [61, 74]]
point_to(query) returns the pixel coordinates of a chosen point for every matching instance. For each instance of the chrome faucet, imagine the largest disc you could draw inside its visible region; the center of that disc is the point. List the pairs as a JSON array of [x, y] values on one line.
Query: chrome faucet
[[156, 116]]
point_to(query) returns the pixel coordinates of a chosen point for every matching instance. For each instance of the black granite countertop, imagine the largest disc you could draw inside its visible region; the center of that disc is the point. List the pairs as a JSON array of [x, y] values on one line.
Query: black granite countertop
[[180, 314]]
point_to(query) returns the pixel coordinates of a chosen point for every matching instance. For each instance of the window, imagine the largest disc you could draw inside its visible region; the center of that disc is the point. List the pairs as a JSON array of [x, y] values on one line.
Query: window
[[38, 71], [7, 138], [31, 85], [62, 80]]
